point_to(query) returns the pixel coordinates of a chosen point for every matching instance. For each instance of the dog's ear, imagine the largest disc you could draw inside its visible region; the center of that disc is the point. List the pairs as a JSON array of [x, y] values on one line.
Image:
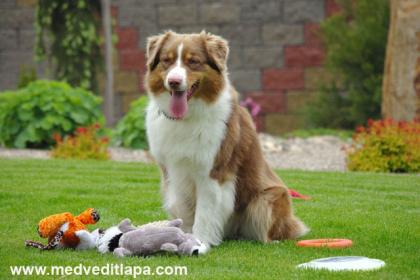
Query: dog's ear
[[154, 45], [217, 50]]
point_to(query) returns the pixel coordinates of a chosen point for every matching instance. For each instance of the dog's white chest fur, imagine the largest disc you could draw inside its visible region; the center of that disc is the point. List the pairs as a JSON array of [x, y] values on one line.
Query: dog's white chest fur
[[191, 143]]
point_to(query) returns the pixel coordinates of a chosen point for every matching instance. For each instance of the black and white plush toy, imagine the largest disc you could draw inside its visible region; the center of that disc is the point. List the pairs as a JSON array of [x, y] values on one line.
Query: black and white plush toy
[[127, 240]]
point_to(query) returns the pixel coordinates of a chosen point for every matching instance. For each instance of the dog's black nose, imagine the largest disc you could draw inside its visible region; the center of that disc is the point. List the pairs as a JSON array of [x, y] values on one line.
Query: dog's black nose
[[195, 252], [174, 82]]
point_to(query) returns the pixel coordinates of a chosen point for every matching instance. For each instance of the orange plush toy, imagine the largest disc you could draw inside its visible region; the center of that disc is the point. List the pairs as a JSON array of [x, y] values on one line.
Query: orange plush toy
[[67, 231]]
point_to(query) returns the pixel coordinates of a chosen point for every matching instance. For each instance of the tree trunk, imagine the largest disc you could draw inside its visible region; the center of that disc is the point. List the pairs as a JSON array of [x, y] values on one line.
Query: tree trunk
[[401, 86]]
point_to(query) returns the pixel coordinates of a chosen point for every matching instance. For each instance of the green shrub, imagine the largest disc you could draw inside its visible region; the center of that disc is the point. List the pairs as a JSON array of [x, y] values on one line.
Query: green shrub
[[30, 116], [386, 146], [355, 41], [84, 144], [131, 129]]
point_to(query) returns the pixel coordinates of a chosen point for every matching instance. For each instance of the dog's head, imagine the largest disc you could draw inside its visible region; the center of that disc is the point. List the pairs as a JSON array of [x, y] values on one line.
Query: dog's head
[[185, 67]]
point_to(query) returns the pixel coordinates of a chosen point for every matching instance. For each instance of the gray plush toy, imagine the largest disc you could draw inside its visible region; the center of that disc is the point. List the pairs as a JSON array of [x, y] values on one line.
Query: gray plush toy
[[127, 240]]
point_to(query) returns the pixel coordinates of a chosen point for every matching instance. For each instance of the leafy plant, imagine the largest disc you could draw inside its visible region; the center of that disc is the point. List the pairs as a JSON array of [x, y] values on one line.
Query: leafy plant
[[386, 146], [355, 40], [72, 28], [84, 144], [130, 131], [30, 116], [27, 75]]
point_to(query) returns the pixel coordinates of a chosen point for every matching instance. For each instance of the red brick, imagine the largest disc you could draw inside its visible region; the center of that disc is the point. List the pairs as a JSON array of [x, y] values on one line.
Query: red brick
[[127, 38], [312, 35], [281, 79], [270, 101], [114, 11], [302, 56], [132, 60], [332, 7]]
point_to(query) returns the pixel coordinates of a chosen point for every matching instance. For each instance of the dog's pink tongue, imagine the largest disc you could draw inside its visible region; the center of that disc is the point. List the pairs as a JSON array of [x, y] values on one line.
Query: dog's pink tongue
[[178, 104]]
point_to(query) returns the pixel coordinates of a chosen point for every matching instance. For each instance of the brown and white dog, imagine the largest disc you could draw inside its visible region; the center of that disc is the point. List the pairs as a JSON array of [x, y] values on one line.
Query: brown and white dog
[[214, 175]]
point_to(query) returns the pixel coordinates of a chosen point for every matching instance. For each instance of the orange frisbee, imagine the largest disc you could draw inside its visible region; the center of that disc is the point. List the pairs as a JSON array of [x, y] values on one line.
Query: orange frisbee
[[329, 243]]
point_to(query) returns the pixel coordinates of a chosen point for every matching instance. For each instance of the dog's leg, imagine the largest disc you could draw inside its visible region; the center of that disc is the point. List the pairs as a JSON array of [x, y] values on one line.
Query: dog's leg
[[179, 199], [215, 205]]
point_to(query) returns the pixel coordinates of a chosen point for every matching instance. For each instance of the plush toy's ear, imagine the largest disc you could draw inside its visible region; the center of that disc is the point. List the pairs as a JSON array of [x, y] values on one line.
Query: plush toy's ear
[[175, 223], [126, 226], [217, 50], [154, 45]]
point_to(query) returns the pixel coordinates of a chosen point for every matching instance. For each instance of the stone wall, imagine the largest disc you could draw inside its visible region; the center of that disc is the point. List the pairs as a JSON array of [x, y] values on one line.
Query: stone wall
[[276, 56], [17, 35]]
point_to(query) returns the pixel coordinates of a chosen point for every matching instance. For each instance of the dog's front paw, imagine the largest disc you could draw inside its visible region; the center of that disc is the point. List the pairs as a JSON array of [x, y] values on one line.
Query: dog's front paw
[[201, 249]]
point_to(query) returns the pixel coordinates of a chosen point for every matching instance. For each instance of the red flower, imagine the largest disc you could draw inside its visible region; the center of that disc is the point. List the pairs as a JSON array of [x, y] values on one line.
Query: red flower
[[81, 130], [57, 137]]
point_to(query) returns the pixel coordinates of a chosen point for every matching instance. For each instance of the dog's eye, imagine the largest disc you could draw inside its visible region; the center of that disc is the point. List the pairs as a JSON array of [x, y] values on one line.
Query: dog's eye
[[166, 61], [192, 62]]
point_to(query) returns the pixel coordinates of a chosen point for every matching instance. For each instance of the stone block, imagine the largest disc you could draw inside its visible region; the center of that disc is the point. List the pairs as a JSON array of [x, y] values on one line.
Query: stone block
[[219, 12], [127, 38], [317, 76], [132, 60], [17, 18], [8, 39], [244, 34], [283, 79], [262, 10], [8, 81], [175, 15], [313, 35], [270, 102], [282, 34], [297, 100], [126, 82], [235, 58], [146, 30], [303, 56], [136, 13], [25, 3], [246, 80], [302, 11], [26, 39], [8, 4], [197, 28], [262, 57]]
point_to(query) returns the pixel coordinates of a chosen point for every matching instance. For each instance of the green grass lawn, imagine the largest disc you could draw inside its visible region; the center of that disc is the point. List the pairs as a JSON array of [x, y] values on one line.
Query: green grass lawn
[[380, 213]]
